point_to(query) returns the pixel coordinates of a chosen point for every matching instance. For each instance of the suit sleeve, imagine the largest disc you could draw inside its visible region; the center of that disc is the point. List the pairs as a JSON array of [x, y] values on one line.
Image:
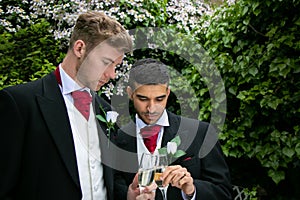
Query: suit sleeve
[[122, 178], [206, 163], [12, 126], [120, 186], [215, 178]]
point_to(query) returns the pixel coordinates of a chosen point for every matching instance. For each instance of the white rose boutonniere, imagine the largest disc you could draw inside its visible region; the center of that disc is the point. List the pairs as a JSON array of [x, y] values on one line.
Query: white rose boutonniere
[[110, 119], [171, 150]]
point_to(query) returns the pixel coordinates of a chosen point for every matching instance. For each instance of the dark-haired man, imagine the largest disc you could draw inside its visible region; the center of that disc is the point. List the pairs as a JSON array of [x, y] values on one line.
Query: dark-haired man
[[189, 177]]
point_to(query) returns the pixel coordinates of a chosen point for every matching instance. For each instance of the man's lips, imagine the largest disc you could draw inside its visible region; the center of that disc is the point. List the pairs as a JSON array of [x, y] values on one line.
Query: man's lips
[[154, 115], [102, 82]]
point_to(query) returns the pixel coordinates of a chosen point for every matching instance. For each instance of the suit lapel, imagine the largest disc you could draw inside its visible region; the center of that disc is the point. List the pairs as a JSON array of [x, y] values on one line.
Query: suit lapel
[[170, 131], [178, 126], [106, 155], [101, 126], [126, 140], [54, 111]]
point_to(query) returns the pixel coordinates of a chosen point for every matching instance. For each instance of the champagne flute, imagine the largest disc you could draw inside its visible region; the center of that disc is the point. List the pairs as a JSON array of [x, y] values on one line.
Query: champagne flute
[[146, 171], [160, 164]]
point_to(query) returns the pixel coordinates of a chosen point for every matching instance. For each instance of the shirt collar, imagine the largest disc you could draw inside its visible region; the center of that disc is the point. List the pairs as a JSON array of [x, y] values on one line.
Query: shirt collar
[[162, 121], [69, 85]]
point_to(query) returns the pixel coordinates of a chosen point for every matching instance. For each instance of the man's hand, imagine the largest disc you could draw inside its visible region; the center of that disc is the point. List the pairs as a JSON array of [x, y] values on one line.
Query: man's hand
[[134, 191], [179, 177]]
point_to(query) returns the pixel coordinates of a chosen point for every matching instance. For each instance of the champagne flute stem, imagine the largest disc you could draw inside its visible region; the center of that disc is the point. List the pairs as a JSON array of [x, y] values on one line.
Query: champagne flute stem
[[141, 189]]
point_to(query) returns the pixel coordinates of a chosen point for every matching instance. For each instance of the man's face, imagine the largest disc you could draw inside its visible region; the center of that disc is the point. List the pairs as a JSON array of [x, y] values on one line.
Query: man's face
[[98, 67], [149, 101]]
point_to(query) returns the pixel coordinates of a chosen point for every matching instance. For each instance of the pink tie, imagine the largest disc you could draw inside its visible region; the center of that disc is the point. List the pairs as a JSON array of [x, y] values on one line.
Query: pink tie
[[82, 101], [150, 134]]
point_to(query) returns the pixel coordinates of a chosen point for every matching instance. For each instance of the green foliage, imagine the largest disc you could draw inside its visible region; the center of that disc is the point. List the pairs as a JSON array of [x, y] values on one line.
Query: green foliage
[[27, 54], [255, 45], [141, 12]]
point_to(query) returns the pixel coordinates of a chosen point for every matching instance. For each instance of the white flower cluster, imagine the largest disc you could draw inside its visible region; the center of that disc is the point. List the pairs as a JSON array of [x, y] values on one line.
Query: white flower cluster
[[119, 88], [185, 14]]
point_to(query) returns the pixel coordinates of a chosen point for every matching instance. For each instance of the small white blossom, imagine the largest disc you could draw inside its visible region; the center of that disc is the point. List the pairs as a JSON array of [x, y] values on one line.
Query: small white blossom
[[111, 116], [171, 147]]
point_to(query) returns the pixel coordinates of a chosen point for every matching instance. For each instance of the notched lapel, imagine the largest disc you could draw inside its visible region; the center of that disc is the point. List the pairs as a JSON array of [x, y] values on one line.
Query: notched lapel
[[126, 137], [126, 141], [54, 112], [169, 134]]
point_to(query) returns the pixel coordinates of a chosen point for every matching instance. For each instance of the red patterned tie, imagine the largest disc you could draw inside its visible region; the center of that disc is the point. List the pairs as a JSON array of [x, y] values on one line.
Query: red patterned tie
[[150, 134], [82, 101]]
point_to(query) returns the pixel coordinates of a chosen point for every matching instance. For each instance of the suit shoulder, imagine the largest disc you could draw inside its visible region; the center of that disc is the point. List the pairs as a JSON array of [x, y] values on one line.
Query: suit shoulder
[[187, 120], [23, 91], [128, 129], [29, 87]]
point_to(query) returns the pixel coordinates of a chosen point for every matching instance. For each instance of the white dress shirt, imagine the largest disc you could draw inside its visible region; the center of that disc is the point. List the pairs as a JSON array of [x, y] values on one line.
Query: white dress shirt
[[86, 141], [141, 147]]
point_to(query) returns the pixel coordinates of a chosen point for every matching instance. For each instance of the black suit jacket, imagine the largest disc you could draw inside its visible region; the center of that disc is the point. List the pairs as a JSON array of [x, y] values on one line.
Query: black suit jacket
[[37, 148], [206, 165]]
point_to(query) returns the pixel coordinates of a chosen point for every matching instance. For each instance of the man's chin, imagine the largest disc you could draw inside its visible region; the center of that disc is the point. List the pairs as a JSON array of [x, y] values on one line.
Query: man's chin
[[95, 87], [151, 120]]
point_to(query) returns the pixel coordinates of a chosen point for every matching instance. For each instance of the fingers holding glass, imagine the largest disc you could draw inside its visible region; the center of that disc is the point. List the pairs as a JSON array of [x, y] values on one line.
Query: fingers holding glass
[[146, 171], [179, 177]]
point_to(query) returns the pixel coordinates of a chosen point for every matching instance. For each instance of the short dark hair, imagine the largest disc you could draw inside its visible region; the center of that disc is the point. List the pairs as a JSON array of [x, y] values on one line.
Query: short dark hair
[[148, 71]]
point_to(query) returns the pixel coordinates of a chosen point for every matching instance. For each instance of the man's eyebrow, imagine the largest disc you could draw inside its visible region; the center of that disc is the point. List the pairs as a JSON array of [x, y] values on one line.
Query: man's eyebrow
[[141, 96], [162, 96]]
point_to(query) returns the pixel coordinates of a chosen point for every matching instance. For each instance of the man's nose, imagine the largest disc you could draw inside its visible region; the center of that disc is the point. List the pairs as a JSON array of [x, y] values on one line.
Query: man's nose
[[110, 72], [151, 107]]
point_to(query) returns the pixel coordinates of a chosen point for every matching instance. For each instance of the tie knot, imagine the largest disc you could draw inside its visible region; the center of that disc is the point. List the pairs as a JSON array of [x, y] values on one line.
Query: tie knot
[[82, 96], [82, 101], [149, 131], [150, 134]]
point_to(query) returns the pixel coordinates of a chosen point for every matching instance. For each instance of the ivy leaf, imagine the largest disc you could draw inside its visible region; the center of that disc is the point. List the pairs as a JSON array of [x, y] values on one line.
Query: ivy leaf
[[298, 22], [297, 149], [276, 176], [253, 71], [288, 152]]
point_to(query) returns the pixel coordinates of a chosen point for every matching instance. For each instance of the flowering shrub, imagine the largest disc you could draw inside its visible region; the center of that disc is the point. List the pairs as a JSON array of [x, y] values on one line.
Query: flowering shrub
[[184, 15]]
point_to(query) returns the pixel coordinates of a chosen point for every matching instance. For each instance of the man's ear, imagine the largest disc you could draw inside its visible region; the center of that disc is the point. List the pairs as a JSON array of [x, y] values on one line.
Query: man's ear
[[129, 92], [79, 48], [168, 91]]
